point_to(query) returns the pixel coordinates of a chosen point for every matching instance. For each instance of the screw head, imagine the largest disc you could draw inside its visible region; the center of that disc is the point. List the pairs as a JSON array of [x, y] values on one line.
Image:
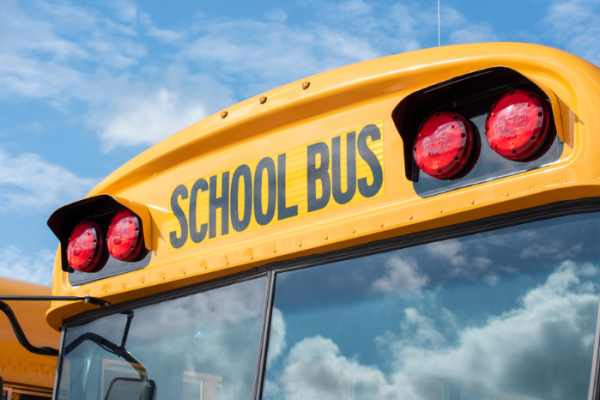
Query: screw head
[[263, 100], [305, 85], [224, 114]]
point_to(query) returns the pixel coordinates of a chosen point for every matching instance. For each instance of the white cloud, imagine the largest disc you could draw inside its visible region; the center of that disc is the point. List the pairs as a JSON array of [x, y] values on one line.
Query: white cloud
[[461, 260], [277, 342], [576, 25], [403, 277], [315, 369], [35, 268], [214, 309], [277, 15], [555, 315], [473, 33], [516, 351], [72, 56], [28, 181], [140, 119]]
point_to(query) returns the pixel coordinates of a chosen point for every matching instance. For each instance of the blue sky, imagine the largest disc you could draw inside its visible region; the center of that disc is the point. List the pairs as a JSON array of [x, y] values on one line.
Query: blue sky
[[86, 86]]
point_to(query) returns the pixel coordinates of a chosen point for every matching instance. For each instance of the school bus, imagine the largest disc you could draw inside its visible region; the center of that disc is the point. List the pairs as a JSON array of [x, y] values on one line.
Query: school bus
[[26, 375], [420, 226]]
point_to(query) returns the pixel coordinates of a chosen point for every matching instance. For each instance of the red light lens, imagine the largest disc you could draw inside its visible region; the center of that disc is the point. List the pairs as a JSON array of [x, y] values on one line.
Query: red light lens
[[125, 237], [84, 248], [517, 125], [444, 145]]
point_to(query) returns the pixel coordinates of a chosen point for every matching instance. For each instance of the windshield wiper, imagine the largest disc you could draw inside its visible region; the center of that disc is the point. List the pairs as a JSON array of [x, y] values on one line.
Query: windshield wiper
[[14, 322], [118, 350]]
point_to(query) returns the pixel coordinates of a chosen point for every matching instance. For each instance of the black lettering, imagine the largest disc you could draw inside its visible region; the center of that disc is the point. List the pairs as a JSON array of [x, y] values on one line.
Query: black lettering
[[197, 237], [336, 178], [243, 171], [313, 174], [178, 242], [370, 131], [266, 164], [283, 211], [218, 202]]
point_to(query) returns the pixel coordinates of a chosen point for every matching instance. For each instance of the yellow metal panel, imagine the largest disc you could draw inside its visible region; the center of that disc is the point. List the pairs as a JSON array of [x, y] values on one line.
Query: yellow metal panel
[[18, 367], [338, 102]]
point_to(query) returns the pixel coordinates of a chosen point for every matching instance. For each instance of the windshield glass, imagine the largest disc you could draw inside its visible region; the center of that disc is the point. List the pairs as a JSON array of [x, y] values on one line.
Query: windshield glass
[[202, 346], [503, 315]]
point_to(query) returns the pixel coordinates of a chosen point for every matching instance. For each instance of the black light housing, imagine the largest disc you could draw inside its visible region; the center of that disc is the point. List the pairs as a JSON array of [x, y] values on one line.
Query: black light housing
[[472, 96], [99, 210]]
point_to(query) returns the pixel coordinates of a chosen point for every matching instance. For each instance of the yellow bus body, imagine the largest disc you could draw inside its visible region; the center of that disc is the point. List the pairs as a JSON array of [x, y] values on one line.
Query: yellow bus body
[[336, 102], [22, 371]]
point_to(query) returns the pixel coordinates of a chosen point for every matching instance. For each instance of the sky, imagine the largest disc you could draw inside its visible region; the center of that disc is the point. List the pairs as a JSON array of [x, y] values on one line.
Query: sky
[[86, 86]]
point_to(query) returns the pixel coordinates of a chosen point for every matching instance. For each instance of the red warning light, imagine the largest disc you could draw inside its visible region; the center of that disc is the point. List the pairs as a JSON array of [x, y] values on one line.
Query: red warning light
[[85, 246], [125, 237], [444, 145], [517, 125]]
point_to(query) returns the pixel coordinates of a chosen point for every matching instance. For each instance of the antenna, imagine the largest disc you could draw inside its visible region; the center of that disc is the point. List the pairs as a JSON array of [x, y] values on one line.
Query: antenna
[[439, 27]]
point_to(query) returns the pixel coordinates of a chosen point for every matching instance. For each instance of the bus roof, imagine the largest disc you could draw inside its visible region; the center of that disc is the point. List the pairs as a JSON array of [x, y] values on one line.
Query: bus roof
[[19, 367], [338, 102]]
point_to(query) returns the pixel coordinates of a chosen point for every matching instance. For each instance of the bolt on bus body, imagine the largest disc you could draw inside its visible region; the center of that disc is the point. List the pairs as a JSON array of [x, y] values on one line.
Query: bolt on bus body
[[422, 225]]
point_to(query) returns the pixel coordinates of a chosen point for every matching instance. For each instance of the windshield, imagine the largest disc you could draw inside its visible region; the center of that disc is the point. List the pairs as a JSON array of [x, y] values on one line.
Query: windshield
[[202, 346], [503, 315], [508, 314]]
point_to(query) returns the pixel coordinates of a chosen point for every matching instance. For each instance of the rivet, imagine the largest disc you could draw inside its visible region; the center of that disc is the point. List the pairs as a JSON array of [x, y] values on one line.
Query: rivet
[[143, 281], [564, 181], [274, 250], [305, 85], [263, 100], [326, 237], [353, 231], [300, 244], [105, 290], [506, 194], [381, 225], [227, 262], [472, 201], [410, 217], [441, 211], [164, 277], [224, 114], [206, 267], [532, 188], [251, 256], [184, 272], [124, 286]]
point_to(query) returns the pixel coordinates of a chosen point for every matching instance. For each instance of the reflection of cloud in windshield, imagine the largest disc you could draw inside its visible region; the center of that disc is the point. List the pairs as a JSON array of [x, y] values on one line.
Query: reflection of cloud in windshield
[[402, 276], [215, 333], [515, 349], [277, 336], [229, 304], [463, 262], [537, 350]]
